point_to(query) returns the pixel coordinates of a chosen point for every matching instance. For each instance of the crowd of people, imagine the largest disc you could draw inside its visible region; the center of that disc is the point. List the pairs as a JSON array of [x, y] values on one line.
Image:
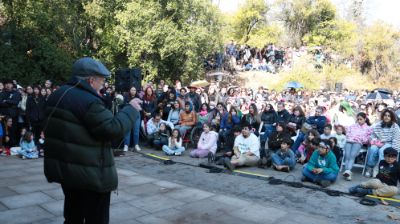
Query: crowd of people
[[321, 131], [270, 58]]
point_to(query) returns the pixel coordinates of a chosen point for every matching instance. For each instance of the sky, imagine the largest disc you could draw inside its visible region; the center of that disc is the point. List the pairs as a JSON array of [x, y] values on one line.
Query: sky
[[385, 10]]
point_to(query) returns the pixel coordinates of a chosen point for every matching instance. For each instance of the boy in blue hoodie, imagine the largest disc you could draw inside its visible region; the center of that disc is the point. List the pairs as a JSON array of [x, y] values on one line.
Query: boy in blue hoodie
[[322, 167]]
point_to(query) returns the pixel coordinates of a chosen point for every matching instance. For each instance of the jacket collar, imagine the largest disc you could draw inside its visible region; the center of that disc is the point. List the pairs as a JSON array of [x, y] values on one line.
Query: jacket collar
[[84, 86]]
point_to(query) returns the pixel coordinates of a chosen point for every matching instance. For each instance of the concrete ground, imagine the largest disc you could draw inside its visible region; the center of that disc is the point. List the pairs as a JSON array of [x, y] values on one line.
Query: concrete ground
[[151, 192]]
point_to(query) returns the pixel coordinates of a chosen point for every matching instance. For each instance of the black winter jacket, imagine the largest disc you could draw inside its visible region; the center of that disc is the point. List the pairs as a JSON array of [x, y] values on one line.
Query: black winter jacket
[[78, 133]]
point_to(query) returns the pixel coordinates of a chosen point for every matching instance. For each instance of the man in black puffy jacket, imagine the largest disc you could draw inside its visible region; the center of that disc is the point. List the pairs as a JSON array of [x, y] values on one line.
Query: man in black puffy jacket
[[79, 130]]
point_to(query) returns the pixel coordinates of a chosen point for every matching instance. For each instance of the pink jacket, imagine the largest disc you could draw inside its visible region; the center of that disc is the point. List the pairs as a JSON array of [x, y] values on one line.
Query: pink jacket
[[358, 134], [208, 141]]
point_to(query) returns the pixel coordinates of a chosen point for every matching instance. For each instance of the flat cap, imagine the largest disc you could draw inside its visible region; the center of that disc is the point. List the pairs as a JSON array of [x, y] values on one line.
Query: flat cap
[[87, 66]]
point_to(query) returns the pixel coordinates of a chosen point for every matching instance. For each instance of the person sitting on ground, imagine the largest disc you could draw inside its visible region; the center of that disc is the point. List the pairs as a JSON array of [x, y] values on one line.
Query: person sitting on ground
[[327, 132], [284, 159], [246, 149], [28, 148], [322, 167], [357, 135], [385, 183], [161, 136], [207, 143], [174, 146], [306, 149], [385, 134], [227, 151], [275, 140], [187, 119]]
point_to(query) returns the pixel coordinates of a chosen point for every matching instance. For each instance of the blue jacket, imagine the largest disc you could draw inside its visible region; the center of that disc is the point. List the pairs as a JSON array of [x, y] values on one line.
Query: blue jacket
[[225, 124], [317, 121]]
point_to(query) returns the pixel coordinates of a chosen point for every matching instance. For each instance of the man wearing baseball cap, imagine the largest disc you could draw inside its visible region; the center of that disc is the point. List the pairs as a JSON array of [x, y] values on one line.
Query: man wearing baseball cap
[[79, 130]]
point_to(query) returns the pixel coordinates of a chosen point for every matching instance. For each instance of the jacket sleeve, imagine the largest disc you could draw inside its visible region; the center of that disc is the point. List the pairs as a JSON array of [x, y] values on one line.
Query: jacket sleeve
[[313, 161], [104, 125]]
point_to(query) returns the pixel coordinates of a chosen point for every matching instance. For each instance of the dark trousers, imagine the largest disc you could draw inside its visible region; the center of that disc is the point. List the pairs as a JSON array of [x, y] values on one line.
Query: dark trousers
[[84, 206]]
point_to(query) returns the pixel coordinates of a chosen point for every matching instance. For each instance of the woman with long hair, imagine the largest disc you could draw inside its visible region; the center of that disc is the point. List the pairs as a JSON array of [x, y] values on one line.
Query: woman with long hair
[[149, 103], [385, 134], [136, 127], [253, 118]]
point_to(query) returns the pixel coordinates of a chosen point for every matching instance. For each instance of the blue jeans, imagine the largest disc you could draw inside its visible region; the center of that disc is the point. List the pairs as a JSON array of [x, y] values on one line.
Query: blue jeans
[[351, 151], [268, 129], [300, 138], [375, 154], [173, 150], [318, 177], [279, 161], [135, 130]]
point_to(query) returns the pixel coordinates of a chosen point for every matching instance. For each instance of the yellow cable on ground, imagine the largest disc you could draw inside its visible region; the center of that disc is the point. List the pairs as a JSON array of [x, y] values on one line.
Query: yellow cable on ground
[[250, 173], [383, 198], [158, 157]]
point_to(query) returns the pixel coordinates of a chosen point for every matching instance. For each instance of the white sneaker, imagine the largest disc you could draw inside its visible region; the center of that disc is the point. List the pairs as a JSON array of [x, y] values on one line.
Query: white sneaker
[[348, 178], [346, 173], [368, 173], [137, 148], [23, 157], [178, 153], [126, 148]]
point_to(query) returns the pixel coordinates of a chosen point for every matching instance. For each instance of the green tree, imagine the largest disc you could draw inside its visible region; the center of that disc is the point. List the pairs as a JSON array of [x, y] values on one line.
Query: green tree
[[303, 16], [167, 39], [381, 47], [251, 16]]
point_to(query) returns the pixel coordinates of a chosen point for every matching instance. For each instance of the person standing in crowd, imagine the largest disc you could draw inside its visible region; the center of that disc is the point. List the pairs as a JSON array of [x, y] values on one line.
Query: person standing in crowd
[[136, 127], [9, 100], [269, 117], [35, 107], [80, 157]]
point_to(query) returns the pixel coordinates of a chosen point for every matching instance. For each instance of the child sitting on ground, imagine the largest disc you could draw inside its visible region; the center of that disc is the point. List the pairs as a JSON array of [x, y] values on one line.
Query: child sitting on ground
[[284, 159], [28, 148], [174, 146], [385, 183], [207, 143], [322, 167]]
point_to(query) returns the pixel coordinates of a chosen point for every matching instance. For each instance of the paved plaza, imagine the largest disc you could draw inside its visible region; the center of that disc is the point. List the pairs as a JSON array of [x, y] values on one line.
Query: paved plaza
[[151, 192]]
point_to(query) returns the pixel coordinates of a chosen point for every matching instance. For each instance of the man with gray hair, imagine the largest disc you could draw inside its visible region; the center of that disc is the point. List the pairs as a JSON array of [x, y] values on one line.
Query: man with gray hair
[[79, 130]]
